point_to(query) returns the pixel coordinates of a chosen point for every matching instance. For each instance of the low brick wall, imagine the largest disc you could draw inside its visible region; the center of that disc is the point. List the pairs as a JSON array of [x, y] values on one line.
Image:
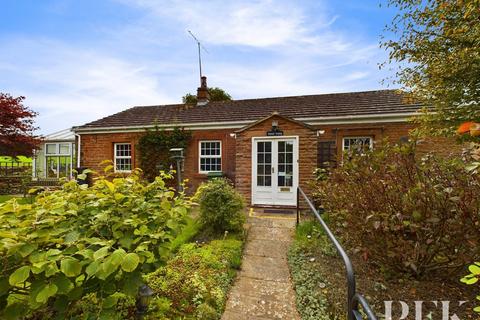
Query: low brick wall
[[12, 185]]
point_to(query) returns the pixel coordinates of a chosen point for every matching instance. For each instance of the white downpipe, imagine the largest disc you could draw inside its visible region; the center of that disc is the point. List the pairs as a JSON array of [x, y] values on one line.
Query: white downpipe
[[79, 144]]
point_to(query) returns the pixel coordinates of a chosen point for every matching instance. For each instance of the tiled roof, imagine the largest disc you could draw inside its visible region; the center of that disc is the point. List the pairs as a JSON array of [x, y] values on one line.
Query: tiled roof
[[310, 106]]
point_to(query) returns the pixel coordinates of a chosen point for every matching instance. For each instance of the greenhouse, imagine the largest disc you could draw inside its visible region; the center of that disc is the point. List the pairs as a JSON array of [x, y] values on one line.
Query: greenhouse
[[56, 156]]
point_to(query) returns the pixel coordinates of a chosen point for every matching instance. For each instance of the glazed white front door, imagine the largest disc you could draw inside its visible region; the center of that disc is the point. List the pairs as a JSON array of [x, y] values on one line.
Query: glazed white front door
[[274, 171]]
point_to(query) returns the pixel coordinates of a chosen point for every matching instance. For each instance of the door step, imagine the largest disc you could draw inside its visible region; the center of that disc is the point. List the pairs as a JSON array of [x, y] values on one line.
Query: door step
[[273, 212], [279, 211]]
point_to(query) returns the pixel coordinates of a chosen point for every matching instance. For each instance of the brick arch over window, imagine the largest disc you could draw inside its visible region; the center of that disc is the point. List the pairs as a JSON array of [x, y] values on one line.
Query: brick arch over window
[[243, 158]]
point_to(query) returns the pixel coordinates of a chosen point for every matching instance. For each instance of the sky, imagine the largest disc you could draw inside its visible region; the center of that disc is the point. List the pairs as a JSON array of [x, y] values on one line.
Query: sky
[[77, 61]]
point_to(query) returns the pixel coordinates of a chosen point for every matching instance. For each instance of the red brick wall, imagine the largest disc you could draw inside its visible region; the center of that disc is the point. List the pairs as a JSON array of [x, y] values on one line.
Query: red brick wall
[[96, 148], [307, 157], [236, 153], [192, 162], [392, 132]]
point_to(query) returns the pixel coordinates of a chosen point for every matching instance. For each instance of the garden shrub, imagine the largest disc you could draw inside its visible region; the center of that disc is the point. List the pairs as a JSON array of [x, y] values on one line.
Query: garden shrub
[[154, 149], [196, 281], [80, 242], [408, 214], [189, 231], [221, 206]]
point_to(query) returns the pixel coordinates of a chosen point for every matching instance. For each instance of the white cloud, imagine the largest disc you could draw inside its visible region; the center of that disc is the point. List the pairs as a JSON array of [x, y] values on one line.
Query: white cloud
[[252, 23], [258, 48], [70, 86], [357, 75]]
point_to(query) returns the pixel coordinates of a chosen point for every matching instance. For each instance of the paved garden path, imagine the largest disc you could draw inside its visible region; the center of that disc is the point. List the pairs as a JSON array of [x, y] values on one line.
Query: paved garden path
[[263, 288]]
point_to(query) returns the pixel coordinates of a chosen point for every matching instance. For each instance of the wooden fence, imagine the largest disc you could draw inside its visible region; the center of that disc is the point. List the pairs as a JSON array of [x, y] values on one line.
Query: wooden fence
[[15, 169]]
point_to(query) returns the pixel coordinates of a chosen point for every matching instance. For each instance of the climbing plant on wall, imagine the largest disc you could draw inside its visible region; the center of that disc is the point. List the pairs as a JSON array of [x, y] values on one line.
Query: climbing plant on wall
[[154, 149]]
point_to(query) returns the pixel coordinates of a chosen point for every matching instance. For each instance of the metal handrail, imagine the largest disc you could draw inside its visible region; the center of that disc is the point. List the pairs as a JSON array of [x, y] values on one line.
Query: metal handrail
[[353, 298]]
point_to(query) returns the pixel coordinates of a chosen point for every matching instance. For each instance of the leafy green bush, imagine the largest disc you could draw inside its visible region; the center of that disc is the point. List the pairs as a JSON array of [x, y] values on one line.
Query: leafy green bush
[[196, 281], [472, 278], [80, 241], [154, 149], [407, 214], [189, 231], [221, 206]]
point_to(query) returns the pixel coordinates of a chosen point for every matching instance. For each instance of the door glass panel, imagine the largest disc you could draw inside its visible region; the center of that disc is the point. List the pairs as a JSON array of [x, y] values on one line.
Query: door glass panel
[[285, 163], [264, 163], [289, 146], [58, 166]]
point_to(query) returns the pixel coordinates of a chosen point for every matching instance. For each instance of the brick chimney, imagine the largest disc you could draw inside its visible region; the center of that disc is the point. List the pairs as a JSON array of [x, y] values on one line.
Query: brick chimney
[[202, 93]]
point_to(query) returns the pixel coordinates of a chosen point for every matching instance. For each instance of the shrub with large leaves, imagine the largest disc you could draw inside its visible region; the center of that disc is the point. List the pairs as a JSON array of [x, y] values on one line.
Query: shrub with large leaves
[[80, 241], [406, 213]]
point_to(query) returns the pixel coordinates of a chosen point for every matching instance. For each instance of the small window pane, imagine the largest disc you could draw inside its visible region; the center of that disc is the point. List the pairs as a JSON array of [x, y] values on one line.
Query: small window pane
[[268, 147], [268, 169], [261, 146], [289, 147], [289, 158], [268, 158], [357, 144], [260, 181], [289, 169], [51, 148], [288, 181], [260, 169], [64, 148], [268, 181]]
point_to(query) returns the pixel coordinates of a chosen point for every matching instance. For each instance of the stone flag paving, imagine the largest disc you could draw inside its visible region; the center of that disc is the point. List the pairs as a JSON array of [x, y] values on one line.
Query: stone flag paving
[[263, 288]]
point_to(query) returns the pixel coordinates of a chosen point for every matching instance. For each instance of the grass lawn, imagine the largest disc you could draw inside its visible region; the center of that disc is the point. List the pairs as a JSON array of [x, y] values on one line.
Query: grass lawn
[[20, 159], [20, 200]]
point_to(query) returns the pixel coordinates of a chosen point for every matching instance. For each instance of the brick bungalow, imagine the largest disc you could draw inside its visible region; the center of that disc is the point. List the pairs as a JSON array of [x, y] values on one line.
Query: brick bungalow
[[267, 147]]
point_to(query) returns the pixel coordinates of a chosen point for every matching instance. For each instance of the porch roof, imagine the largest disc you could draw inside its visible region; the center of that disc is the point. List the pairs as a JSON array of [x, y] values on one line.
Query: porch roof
[[336, 105]]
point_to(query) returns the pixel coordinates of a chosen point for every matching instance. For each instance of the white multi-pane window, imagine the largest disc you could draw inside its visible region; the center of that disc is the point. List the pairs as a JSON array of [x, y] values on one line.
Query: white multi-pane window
[[58, 149], [357, 144], [210, 156], [123, 157], [58, 160]]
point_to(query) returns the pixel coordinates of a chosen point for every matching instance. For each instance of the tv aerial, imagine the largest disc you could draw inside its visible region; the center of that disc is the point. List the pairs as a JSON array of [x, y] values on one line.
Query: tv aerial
[[200, 46]]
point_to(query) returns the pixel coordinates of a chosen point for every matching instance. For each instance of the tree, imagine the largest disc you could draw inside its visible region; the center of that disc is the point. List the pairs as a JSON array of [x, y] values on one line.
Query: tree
[[16, 127], [216, 94], [437, 47]]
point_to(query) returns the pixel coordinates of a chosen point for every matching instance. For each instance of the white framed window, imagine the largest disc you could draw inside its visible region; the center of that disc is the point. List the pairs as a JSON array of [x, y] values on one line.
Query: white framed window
[[57, 159], [57, 149], [123, 157], [210, 156], [357, 144]]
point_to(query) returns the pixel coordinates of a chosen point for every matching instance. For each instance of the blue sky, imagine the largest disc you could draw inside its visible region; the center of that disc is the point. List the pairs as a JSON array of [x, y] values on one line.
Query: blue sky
[[76, 61]]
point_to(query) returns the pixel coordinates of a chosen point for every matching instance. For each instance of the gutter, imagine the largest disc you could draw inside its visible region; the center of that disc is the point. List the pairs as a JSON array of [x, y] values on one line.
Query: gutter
[[352, 119]]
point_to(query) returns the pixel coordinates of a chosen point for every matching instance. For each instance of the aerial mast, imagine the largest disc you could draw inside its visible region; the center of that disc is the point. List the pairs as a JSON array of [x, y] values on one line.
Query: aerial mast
[[199, 45]]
